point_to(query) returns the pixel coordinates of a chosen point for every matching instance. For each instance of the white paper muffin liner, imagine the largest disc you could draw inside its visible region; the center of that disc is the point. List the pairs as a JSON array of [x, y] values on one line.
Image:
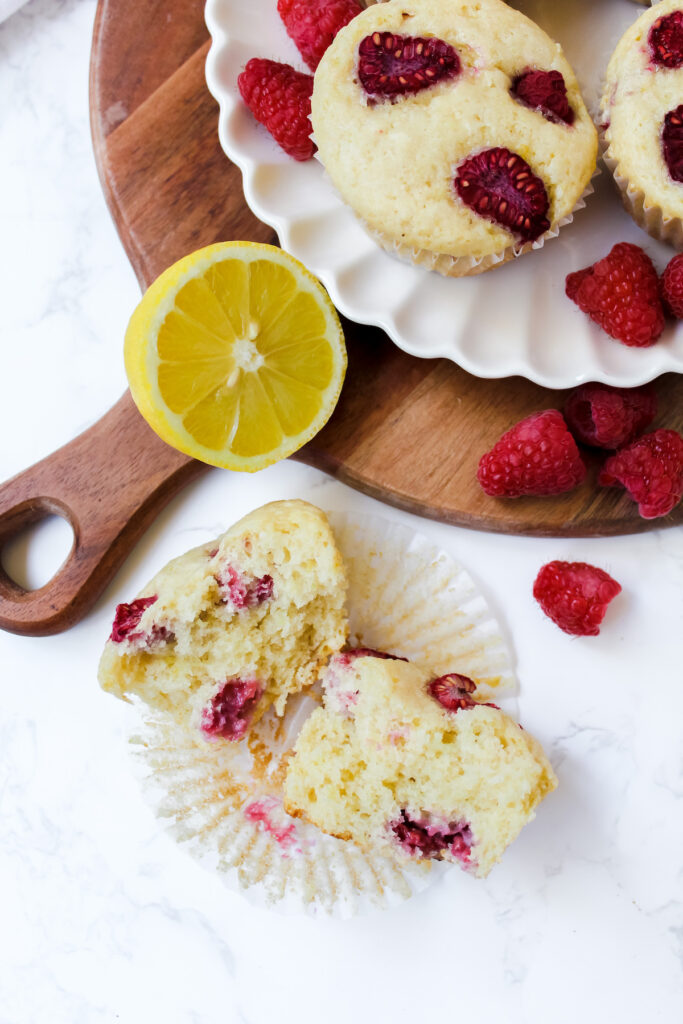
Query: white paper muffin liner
[[645, 213], [223, 802]]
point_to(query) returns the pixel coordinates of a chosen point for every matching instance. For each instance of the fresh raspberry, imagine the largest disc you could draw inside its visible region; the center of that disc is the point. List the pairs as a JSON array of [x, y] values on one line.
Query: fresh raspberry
[[231, 709], [430, 841], [666, 40], [280, 99], [621, 294], [453, 690], [390, 65], [672, 287], [607, 417], [536, 456], [546, 92], [672, 143], [575, 595], [313, 24], [500, 186], [240, 591], [651, 470]]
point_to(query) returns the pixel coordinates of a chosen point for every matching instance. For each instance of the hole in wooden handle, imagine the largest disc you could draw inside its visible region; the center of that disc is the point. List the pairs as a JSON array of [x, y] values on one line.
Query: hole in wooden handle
[[36, 553], [35, 612]]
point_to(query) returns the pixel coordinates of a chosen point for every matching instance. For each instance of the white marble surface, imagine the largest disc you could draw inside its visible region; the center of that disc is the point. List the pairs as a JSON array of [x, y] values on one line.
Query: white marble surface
[[103, 918]]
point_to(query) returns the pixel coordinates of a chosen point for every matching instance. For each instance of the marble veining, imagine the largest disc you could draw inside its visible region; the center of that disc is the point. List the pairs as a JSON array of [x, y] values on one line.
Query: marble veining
[[104, 919]]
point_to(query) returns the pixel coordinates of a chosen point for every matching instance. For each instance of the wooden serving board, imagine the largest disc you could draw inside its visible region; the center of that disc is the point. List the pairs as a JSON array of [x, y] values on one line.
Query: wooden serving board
[[407, 431]]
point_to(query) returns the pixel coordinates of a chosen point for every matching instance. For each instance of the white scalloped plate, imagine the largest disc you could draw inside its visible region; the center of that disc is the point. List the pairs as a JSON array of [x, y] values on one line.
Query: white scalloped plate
[[512, 320]]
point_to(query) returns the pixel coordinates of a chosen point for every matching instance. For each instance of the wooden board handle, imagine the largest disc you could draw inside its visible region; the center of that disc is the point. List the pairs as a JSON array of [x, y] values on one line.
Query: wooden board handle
[[109, 483]]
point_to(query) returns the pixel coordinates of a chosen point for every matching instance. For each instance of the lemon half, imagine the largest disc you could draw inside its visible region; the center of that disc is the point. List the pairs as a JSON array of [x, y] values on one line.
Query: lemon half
[[235, 355]]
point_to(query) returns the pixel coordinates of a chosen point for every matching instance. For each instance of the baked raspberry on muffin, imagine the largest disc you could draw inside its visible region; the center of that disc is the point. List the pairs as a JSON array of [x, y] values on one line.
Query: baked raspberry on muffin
[[642, 115], [455, 131], [413, 766], [234, 626]]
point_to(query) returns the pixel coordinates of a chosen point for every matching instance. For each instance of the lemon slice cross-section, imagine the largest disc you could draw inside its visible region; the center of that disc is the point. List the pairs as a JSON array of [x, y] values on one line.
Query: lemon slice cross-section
[[235, 355]]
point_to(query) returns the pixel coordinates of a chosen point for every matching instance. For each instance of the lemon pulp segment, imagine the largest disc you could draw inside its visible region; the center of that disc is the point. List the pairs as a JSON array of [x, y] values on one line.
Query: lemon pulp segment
[[236, 355]]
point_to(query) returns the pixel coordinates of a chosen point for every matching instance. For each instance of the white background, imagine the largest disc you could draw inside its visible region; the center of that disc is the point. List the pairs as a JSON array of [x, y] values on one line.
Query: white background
[[102, 917]]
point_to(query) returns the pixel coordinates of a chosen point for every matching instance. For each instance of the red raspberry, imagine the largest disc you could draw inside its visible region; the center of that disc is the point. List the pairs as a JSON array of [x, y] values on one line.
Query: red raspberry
[[423, 839], [575, 595], [666, 41], [621, 293], [391, 65], [453, 692], [313, 24], [280, 98], [241, 591], [607, 417], [672, 142], [536, 456], [651, 470], [546, 92], [231, 709], [672, 287], [500, 186], [127, 618]]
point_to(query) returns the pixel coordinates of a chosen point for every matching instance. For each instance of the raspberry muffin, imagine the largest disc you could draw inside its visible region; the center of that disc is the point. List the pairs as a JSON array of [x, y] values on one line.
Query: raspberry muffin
[[235, 626], [414, 766], [456, 131], [642, 114]]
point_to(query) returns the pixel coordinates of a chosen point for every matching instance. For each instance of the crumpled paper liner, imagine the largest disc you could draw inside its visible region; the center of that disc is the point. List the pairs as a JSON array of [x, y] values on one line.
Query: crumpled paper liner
[[223, 802]]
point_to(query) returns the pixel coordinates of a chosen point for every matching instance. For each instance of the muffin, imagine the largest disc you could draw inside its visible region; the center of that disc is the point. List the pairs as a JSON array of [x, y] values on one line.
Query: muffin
[[413, 766], [235, 626], [642, 115], [455, 131]]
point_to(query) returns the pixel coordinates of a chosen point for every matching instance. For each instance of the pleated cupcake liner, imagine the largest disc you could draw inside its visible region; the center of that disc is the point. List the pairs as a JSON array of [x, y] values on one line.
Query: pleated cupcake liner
[[224, 802], [647, 215]]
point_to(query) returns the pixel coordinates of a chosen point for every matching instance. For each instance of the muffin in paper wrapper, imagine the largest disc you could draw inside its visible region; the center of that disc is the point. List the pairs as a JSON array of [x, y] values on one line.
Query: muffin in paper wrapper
[[461, 266], [223, 801], [468, 266], [647, 215]]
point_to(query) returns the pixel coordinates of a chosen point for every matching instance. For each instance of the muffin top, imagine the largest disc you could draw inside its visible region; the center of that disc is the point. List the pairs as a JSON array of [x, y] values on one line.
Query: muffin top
[[642, 106], [452, 126]]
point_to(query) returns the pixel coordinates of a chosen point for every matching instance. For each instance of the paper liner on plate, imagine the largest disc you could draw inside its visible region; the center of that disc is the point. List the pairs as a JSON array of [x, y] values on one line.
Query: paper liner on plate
[[646, 214], [224, 801]]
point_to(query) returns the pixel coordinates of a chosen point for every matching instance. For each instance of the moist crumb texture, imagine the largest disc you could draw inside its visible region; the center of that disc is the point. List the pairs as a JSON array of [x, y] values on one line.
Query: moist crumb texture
[[386, 764], [407, 94], [236, 625]]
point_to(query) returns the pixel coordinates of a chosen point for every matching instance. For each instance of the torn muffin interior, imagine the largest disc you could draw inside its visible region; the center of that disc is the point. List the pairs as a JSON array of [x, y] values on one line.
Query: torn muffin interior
[[413, 769], [234, 626]]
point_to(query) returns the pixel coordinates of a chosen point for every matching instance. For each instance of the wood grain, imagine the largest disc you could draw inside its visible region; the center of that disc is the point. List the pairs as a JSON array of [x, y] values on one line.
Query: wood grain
[[407, 431]]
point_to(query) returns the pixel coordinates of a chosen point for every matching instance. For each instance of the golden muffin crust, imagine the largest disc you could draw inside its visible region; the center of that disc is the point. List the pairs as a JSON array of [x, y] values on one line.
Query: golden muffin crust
[[394, 162], [638, 95]]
